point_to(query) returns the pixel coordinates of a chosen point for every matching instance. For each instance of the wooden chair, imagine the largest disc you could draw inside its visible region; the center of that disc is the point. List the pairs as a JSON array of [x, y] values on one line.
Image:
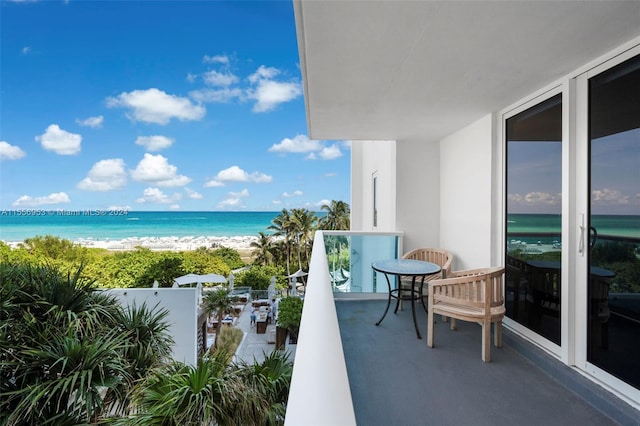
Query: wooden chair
[[475, 295], [438, 256]]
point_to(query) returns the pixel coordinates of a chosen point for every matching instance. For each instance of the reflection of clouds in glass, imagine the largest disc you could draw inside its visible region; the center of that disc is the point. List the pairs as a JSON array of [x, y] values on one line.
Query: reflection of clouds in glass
[[615, 173], [533, 198], [540, 198], [534, 177], [609, 196]]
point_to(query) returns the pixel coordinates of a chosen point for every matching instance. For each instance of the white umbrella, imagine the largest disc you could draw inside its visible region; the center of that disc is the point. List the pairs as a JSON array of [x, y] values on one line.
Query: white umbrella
[[298, 273], [294, 279], [199, 279]]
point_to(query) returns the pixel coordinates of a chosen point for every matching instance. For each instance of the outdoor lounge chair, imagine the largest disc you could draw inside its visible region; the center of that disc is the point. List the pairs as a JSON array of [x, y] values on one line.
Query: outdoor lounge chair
[[475, 295]]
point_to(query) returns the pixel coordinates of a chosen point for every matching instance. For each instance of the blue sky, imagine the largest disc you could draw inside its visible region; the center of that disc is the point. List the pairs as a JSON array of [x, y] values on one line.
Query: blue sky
[[158, 105]]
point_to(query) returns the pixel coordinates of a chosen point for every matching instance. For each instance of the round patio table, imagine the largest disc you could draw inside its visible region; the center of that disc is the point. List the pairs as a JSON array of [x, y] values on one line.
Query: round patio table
[[405, 268]]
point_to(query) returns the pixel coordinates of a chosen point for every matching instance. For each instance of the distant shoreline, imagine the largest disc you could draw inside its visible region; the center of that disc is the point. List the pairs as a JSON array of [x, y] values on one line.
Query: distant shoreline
[[161, 243]]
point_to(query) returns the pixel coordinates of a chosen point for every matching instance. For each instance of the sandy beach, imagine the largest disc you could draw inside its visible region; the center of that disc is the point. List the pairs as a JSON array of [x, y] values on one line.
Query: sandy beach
[[240, 243]]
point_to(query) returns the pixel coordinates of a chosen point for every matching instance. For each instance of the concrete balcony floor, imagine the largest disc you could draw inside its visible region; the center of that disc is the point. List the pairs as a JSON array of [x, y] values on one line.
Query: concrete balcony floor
[[396, 379]]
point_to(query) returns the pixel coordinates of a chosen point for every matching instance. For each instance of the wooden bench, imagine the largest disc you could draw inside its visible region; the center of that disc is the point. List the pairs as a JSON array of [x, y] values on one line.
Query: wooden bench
[[475, 295]]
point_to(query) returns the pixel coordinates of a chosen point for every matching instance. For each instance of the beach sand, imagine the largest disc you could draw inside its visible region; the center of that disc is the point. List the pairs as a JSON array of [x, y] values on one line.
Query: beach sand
[[240, 243]]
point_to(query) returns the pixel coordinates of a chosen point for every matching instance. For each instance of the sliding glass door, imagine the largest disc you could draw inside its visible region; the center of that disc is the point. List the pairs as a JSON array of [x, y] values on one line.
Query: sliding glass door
[[534, 213], [613, 287]]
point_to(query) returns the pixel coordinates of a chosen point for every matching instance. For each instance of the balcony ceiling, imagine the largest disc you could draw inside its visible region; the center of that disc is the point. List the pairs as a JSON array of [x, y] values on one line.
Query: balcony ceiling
[[424, 69]]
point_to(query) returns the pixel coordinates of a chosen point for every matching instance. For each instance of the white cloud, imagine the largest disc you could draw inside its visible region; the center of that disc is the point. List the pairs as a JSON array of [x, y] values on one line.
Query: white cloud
[[154, 143], [193, 194], [269, 93], [105, 175], [330, 152], [316, 205], [216, 78], [157, 170], [231, 202], [155, 106], [156, 196], [299, 144], [263, 73], [216, 95], [236, 174], [514, 197], [212, 183], [540, 198], [60, 141], [242, 194], [93, 122], [10, 152], [26, 50], [296, 193], [174, 207], [234, 200], [216, 59], [54, 198], [608, 196]]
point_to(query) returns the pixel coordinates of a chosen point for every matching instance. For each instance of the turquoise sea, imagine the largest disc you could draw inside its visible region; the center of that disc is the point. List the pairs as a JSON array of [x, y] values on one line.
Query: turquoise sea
[[520, 225], [116, 225]]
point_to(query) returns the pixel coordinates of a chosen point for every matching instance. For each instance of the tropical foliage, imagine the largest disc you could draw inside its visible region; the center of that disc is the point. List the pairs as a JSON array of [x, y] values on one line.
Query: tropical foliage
[[290, 313], [68, 353], [259, 277], [214, 393], [338, 216], [219, 302], [135, 268]]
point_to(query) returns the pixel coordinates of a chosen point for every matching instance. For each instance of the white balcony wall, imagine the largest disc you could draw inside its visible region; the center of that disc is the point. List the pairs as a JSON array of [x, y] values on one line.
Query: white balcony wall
[[380, 160], [182, 304], [418, 193], [466, 211]]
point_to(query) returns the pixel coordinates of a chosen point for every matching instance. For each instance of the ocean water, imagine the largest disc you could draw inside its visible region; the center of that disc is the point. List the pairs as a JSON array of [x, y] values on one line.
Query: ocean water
[[606, 225], [115, 225]]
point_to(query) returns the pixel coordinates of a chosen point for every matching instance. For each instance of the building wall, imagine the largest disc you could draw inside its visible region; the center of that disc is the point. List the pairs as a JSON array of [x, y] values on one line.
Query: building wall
[[183, 315], [379, 158], [466, 198], [418, 193]]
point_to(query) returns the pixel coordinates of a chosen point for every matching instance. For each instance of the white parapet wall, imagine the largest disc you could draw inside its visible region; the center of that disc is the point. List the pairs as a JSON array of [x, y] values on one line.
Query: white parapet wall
[[320, 392], [182, 305]]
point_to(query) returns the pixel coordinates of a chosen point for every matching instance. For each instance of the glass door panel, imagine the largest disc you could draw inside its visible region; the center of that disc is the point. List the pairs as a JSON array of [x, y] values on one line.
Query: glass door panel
[[613, 327], [534, 213]]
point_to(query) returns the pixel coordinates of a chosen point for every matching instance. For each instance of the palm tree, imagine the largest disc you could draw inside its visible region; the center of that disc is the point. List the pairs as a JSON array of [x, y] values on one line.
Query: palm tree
[[218, 301], [283, 227], [338, 216], [304, 223], [60, 351], [263, 249], [68, 354], [214, 393]]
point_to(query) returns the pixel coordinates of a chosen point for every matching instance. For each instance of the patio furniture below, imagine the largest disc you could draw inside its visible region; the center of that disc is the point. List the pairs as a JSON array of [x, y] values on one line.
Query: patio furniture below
[[475, 295]]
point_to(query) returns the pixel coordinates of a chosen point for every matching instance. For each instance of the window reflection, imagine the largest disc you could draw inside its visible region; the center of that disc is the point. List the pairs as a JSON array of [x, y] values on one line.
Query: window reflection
[[614, 257], [533, 228]]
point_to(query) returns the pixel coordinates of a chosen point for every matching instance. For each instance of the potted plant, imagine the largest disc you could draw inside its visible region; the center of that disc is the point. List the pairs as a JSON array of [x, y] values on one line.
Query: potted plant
[[289, 316]]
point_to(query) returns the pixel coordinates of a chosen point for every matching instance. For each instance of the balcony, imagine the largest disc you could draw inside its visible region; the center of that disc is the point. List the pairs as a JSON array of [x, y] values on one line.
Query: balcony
[[349, 371]]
